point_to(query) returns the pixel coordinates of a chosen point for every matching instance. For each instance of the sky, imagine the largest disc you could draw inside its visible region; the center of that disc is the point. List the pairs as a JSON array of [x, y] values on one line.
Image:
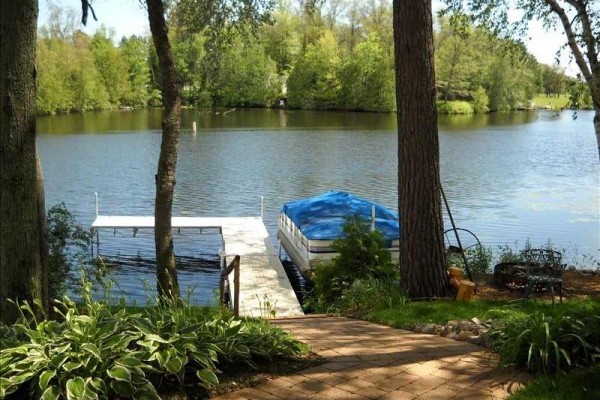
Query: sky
[[128, 17]]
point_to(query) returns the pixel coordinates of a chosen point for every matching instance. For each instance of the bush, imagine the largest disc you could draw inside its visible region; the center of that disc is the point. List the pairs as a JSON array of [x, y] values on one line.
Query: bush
[[546, 343], [93, 351], [362, 255], [479, 259], [454, 107], [368, 294], [480, 100], [68, 252]]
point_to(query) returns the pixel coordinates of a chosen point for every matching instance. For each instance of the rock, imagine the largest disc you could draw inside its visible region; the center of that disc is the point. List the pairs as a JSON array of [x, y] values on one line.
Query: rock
[[452, 335], [475, 339], [438, 329], [463, 335], [476, 321], [419, 328]]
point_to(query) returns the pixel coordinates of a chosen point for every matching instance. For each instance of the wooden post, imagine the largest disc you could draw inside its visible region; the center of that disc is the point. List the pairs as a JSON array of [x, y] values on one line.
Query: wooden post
[[233, 266], [236, 286], [194, 127], [465, 291]]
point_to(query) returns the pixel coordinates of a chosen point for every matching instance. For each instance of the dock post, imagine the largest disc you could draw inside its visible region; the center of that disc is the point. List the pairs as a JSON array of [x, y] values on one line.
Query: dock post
[[96, 196], [372, 218], [262, 206], [236, 289], [194, 127]]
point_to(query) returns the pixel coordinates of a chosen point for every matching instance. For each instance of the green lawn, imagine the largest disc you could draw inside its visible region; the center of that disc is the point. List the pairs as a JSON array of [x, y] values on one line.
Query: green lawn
[[442, 311], [580, 385], [556, 103]]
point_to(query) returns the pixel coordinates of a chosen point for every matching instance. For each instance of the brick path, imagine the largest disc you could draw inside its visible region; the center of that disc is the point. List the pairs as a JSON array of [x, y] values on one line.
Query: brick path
[[369, 361]]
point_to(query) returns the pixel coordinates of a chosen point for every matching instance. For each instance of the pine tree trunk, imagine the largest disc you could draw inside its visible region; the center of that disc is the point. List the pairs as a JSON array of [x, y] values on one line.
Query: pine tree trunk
[[422, 259], [22, 215], [165, 178]]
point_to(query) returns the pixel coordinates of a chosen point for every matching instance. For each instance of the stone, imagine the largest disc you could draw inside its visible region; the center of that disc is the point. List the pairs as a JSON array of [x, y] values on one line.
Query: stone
[[476, 321], [464, 335], [475, 339], [429, 328]]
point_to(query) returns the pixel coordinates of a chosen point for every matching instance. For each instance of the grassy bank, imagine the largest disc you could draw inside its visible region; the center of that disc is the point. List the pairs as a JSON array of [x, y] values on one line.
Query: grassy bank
[[556, 103]]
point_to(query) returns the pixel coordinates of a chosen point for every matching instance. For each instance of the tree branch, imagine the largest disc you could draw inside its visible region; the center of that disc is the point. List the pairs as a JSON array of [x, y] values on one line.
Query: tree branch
[[572, 41]]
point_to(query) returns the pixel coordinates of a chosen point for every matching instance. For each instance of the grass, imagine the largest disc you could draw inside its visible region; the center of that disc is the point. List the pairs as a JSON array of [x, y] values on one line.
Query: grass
[[556, 103], [442, 311], [579, 385]]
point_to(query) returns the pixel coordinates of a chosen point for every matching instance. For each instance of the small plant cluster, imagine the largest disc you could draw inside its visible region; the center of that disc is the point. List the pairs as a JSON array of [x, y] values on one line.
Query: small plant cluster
[[479, 259], [547, 342], [69, 252], [360, 278], [97, 351]]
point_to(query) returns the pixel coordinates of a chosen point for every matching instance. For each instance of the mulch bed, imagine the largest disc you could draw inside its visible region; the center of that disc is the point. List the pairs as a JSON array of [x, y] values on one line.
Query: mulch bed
[[576, 285]]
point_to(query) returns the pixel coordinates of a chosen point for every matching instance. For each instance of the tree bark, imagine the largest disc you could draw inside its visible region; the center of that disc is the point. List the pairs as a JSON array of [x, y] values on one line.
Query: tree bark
[[23, 246], [166, 271], [422, 256]]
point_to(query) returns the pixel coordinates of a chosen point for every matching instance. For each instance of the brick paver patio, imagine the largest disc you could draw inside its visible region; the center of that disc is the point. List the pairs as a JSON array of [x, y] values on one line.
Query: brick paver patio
[[369, 361]]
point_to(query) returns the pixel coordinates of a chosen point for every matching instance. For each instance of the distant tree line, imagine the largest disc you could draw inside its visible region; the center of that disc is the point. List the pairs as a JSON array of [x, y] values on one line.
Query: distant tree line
[[329, 55]]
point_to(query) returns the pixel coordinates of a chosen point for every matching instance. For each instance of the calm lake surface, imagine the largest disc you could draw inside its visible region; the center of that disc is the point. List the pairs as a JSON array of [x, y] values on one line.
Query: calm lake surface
[[508, 177]]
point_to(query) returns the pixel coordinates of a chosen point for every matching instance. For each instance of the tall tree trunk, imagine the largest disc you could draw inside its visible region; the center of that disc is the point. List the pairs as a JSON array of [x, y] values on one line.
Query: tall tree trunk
[[165, 177], [22, 242], [422, 259]]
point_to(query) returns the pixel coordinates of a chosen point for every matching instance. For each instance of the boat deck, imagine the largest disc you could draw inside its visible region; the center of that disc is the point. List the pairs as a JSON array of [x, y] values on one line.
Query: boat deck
[[264, 285]]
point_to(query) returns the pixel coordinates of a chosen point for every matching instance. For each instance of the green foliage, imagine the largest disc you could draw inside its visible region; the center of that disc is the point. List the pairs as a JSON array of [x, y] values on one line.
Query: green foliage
[[454, 107], [247, 77], [580, 97], [480, 100], [546, 343], [582, 384], [367, 79], [362, 255], [313, 82], [234, 56], [68, 252], [367, 294], [479, 259], [97, 351]]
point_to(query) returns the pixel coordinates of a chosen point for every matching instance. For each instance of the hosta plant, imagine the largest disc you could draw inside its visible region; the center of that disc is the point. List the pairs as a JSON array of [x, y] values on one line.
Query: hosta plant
[[94, 351]]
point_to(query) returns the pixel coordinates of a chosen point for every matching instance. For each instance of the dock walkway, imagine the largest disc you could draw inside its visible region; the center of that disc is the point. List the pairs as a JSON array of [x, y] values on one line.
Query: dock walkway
[[264, 285]]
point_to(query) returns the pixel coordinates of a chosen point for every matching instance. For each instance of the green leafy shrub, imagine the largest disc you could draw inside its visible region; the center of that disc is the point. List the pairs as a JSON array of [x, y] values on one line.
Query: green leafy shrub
[[479, 259], [68, 252], [362, 255], [480, 100], [98, 351], [546, 343], [368, 294], [454, 107]]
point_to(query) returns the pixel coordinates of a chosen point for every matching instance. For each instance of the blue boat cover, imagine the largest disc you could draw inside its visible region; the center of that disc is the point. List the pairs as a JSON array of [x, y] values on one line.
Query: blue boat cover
[[322, 217]]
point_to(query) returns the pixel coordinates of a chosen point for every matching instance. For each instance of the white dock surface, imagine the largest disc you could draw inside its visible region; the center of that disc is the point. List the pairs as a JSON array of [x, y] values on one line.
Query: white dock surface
[[262, 277]]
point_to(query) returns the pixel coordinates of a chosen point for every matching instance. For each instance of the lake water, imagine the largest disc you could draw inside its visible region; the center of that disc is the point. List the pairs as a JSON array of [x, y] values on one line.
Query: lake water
[[508, 177]]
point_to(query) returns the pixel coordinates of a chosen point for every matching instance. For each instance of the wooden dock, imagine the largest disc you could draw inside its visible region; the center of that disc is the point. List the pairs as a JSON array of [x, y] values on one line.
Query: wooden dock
[[265, 287]]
